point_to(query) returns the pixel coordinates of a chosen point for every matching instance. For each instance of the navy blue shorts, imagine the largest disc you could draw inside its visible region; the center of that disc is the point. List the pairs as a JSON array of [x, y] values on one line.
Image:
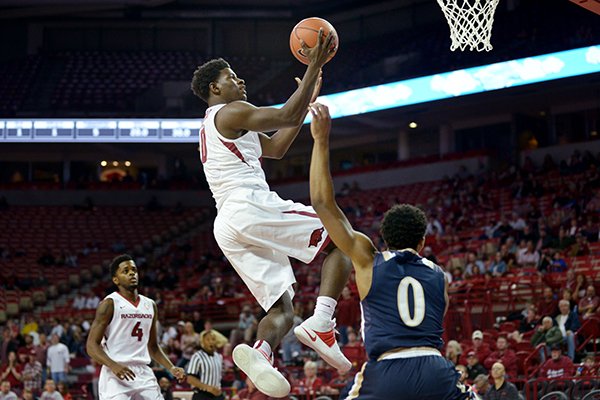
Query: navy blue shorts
[[415, 378]]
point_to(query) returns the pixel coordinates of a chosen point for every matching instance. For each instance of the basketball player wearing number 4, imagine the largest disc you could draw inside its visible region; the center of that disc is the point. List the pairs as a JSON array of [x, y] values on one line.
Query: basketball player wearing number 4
[[256, 229], [123, 339], [403, 296]]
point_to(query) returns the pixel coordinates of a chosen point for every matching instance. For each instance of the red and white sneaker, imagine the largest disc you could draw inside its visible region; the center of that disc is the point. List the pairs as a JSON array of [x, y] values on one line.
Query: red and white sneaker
[[315, 334], [257, 365]]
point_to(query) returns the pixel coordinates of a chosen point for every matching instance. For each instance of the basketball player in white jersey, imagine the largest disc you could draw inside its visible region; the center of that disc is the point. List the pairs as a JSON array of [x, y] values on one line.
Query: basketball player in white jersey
[[257, 230], [123, 339]]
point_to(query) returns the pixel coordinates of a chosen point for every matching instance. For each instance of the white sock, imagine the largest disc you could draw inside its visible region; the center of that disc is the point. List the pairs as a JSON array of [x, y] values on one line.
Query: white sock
[[325, 307], [265, 347]]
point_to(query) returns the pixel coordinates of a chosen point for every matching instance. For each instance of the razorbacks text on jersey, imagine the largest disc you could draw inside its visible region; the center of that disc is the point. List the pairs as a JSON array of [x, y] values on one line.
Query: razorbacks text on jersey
[[126, 337], [229, 164], [405, 305]]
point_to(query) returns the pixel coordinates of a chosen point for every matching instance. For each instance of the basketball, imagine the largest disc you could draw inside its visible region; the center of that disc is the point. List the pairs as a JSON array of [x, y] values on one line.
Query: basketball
[[308, 30]]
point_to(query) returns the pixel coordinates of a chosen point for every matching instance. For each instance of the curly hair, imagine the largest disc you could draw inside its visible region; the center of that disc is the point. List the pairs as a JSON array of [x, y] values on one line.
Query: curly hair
[[205, 74], [114, 264], [403, 226]]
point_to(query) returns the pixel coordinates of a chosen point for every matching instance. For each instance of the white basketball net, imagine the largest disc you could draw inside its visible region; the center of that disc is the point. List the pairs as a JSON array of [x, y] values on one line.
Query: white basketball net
[[470, 23]]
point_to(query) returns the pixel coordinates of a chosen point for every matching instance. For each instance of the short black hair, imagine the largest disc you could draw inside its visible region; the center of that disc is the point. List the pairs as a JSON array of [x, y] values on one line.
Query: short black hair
[[114, 264], [403, 227], [205, 74]]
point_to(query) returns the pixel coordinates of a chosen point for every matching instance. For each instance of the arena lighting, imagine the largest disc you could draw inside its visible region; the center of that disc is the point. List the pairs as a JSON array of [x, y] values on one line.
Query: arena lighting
[[103, 163], [128, 163], [524, 71], [412, 125], [115, 163]]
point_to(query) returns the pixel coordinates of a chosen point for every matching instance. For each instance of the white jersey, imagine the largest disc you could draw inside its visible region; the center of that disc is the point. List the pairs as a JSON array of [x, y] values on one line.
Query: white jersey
[[126, 337], [230, 164]]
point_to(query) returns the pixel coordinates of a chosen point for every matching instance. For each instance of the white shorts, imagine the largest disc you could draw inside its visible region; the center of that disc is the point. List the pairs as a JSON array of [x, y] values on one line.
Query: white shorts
[[257, 231], [143, 387]]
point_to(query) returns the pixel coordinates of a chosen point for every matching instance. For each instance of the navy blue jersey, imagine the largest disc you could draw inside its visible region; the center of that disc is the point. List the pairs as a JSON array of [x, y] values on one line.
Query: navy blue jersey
[[405, 305]]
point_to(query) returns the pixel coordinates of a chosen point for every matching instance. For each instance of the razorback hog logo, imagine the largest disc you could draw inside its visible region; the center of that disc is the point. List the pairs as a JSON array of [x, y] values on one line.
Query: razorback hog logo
[[315, 237]]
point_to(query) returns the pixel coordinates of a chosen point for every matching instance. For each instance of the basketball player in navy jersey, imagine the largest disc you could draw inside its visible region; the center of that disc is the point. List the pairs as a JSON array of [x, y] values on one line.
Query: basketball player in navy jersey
[[403, 295], [123, 339]]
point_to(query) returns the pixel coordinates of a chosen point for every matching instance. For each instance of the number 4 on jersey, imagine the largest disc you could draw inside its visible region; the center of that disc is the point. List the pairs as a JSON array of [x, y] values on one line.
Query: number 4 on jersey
[[137, 331]]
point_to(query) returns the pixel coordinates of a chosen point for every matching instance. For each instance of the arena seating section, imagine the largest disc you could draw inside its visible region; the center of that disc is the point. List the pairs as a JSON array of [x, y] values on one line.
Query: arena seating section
[[189, 274]]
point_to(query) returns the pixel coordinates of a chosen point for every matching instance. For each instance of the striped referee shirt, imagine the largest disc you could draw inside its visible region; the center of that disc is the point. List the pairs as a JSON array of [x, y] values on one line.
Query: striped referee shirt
[[206, 367]]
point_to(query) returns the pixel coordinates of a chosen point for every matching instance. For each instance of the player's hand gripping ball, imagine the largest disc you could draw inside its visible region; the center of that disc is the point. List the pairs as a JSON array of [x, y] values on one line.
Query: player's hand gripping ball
[[307, 30]]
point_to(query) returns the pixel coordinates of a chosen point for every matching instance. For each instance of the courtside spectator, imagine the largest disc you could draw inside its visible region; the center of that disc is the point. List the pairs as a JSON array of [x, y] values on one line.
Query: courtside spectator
[[547, 334], [479, 346], [501, 389], [474, 368], [481, 384]]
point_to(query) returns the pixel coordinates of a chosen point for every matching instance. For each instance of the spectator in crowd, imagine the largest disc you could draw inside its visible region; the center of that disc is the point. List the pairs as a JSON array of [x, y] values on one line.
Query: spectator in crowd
[[290, 345], [568, 323], [462, 370], [474, 368], [247, 325], [548, 305], [205, 369], [7, 345], [79, 301], [481, 384], [354, 350], [588, 305], [250, 393], [529, 257], [58, 360], [526, 324], [342, 379], [453, 352], [32, 373], [12, 371], [165, 388], [63, 389], [497, 267], [27, 394], [5, 392], [57, 328], [580, 289], [189, 342], [558, 366], [547, 334], [474, 267], [347, 314], [220, 339], [567, 294], [503, 355], [478, 346], [311, 384], [41, 354], [50, 392], [501, 389], [92, 301], [587, 367]]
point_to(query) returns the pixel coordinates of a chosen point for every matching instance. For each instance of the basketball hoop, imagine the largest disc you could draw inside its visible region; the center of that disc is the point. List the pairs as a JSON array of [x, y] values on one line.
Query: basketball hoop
[[470, 23]]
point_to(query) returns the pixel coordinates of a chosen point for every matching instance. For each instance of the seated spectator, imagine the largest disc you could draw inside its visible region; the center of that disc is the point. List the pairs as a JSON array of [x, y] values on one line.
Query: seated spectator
[[354, 350], [79, 302], [552, 263], [246, 327], [311, 383], [581, 247], [481, 384], [547, 334], [588, 305], [588, 367], [548, 305], [462, 370], [474, 368], [568, 323], [474, 267], [63, 389], [453, 352], [249, 393], [503, 355], [290, 345], [92, 301], [567, 294], [27, 394], [558, 366], [501, 389], [189, 344], [580, 289], [478, 346], [50, 392], [5, 392], [11, 371], [341, 380], [528, 257], [497, 267], [32, 373], [347, 314]]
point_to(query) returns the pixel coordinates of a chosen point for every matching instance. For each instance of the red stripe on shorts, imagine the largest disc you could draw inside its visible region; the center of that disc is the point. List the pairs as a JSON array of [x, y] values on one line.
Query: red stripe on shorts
[[305, 213]]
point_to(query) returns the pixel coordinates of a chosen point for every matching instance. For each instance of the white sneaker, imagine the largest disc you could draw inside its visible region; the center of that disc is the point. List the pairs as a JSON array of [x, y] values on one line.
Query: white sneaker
[[258, 367], [322, 340]]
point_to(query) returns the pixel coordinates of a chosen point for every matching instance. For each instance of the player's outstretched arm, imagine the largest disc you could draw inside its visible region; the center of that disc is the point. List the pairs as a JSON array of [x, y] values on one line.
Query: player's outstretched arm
[[276, 145], [157, 353], [240, 115], [104, 315], [355, 244]]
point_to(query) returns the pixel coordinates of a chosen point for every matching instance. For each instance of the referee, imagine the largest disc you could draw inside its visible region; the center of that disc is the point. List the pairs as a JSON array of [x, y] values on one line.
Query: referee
[[204, 371]]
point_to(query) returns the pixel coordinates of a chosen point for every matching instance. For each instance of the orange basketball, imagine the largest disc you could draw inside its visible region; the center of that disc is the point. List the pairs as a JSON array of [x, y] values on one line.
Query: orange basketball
[[308, 30]]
